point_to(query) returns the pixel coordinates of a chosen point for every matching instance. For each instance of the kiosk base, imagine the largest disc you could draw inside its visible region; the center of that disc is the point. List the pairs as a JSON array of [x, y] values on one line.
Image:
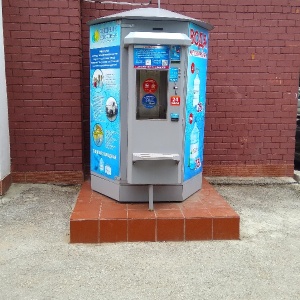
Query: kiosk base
[[204, 216], [123, 192]]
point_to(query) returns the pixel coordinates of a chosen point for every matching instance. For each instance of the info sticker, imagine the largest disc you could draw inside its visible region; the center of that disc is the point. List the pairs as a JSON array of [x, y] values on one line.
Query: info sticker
[[149, 101], [175, 100], [150, 85], [173, 75]]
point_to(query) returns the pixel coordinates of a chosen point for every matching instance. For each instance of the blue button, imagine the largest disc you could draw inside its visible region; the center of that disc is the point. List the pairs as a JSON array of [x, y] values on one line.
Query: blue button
[[174, 117]]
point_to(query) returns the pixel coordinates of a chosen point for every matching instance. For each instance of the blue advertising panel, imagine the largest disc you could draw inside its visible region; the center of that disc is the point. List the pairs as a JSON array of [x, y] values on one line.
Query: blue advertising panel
[[175, 53], [151, 57], [195, 101], [173, 74], [105, 99]]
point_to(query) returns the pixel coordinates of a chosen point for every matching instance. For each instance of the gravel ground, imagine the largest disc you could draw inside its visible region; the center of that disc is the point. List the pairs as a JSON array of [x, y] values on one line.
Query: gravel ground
[[37, 261]]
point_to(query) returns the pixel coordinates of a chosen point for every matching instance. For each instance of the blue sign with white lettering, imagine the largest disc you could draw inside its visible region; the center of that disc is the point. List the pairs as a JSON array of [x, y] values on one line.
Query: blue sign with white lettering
[[149, 101], [175, 53], [173, 74], [105, 58], [151, 57]]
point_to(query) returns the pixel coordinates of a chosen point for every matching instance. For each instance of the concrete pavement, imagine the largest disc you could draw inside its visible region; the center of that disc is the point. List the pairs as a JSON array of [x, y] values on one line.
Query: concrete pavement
[[37, 261]]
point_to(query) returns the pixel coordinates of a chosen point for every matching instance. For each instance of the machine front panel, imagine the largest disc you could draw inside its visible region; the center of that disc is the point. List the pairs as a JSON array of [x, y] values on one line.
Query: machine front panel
[[156, 105]]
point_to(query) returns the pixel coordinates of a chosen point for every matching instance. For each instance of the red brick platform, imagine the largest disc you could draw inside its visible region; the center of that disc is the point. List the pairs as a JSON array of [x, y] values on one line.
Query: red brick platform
[[203, 216]]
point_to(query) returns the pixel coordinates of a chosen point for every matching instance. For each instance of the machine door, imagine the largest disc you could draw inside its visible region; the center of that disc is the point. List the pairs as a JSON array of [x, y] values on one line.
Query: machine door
[[155, 117]]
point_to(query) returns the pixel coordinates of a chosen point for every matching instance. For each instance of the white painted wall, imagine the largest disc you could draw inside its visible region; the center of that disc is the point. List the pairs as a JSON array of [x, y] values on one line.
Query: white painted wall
[[4, 131]]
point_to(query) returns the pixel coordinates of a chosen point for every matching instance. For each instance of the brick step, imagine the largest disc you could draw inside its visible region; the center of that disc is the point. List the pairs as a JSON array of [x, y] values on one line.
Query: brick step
[[203, 216]]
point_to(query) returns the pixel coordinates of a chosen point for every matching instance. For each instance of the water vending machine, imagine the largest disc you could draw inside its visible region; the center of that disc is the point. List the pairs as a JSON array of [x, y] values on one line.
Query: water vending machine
[[147, 105]]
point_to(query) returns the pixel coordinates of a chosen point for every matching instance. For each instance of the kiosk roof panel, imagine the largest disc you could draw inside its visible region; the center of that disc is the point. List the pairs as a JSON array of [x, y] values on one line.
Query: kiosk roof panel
[[151, 14]]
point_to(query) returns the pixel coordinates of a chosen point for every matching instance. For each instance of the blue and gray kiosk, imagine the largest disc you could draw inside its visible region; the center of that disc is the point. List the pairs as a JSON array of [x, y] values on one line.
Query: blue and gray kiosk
[[147, 105]]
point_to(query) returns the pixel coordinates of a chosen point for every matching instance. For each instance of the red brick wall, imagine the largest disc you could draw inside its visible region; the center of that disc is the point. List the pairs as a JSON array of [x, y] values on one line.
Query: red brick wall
[[5, 183], [252, 84], [43, 67], [251, 97], [253, 79]]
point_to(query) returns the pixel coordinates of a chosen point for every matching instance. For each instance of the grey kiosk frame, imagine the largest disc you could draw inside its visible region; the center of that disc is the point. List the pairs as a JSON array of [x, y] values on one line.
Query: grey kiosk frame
[[151, 166]]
